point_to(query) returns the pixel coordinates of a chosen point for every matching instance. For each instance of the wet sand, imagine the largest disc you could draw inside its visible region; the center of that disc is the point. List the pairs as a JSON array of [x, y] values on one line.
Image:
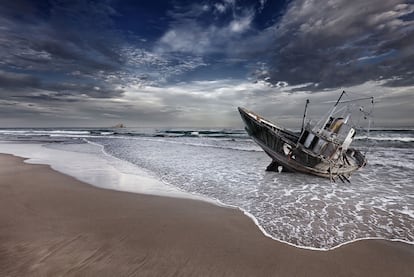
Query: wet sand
[[52, 225]]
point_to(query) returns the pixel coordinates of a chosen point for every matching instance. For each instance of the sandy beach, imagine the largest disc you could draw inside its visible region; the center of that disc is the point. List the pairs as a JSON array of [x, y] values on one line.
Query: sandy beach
[[53, 225]]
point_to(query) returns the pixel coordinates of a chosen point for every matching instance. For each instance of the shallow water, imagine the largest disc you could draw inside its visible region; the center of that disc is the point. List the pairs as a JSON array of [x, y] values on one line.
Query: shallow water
[[299, 209]]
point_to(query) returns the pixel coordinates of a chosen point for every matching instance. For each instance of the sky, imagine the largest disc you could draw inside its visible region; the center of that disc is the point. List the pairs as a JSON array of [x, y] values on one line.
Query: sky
[[192, 63]]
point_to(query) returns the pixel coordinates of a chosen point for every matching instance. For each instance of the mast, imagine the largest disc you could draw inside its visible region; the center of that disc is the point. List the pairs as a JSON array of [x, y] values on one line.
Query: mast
[[332, 110], [304, 115]]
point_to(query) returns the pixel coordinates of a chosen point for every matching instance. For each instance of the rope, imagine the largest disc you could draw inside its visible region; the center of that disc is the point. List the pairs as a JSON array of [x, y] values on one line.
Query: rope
[[359, 122]]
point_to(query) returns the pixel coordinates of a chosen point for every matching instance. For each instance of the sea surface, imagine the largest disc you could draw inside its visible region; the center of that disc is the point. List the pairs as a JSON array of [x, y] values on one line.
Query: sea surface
[[226, 166]]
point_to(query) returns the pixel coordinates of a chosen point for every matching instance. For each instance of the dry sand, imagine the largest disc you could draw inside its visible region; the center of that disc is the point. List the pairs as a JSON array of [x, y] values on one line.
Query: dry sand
[[52, 225]]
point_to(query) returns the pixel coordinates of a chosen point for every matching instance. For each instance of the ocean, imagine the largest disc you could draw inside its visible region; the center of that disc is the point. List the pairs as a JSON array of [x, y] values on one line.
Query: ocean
[[226, 167]]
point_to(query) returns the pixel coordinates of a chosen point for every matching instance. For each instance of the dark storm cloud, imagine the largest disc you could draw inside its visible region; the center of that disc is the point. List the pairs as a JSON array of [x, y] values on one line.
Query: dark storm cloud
[[73, 89], [95, 63], [56, 39], [331, 44], [24, 86], [15, 82], [70, 34]]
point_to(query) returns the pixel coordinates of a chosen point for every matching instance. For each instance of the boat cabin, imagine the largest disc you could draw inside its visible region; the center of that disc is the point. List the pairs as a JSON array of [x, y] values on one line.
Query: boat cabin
[[329, 141]]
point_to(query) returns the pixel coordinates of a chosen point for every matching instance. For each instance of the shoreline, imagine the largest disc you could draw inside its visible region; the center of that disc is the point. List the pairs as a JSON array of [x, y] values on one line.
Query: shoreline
[[165, 190], [309, 247], [217, 202], [55, 224], [93, 165], [99, 170]]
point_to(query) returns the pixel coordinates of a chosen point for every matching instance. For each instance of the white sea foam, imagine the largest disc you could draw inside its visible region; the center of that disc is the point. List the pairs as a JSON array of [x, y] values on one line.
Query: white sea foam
[[403, 139], [43, 132], [407, 211], [191, 142], [300, 210], [89, 165]]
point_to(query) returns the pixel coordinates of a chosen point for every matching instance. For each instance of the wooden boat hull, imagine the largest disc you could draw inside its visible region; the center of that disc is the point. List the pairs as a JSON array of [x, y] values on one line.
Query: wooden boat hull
[[283, 147]]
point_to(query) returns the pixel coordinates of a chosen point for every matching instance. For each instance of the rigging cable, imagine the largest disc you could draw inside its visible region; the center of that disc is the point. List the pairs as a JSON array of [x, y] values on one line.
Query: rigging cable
[[370, 119]]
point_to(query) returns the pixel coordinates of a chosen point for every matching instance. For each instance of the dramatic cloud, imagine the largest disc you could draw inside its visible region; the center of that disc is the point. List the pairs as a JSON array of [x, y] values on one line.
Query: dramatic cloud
[[15, 82], [61, 47], [341, 43], [145, 67], [183, 63], [69, 36], [203, 29]]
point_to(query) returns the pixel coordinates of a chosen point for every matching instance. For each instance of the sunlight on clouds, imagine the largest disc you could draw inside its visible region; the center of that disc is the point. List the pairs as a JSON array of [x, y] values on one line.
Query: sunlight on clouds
[[198, 98], [220, 7], [190, 34], [241, 25]]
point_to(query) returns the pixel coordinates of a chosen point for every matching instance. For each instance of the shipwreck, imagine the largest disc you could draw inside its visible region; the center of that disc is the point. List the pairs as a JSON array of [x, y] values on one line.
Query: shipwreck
[[321, 148]]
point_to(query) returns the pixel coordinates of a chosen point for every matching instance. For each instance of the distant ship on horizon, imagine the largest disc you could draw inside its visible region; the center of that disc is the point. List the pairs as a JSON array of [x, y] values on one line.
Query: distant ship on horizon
[[119, 125]]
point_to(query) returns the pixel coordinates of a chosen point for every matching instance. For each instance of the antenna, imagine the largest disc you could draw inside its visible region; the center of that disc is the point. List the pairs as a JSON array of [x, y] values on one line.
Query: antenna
[[339, 99]]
